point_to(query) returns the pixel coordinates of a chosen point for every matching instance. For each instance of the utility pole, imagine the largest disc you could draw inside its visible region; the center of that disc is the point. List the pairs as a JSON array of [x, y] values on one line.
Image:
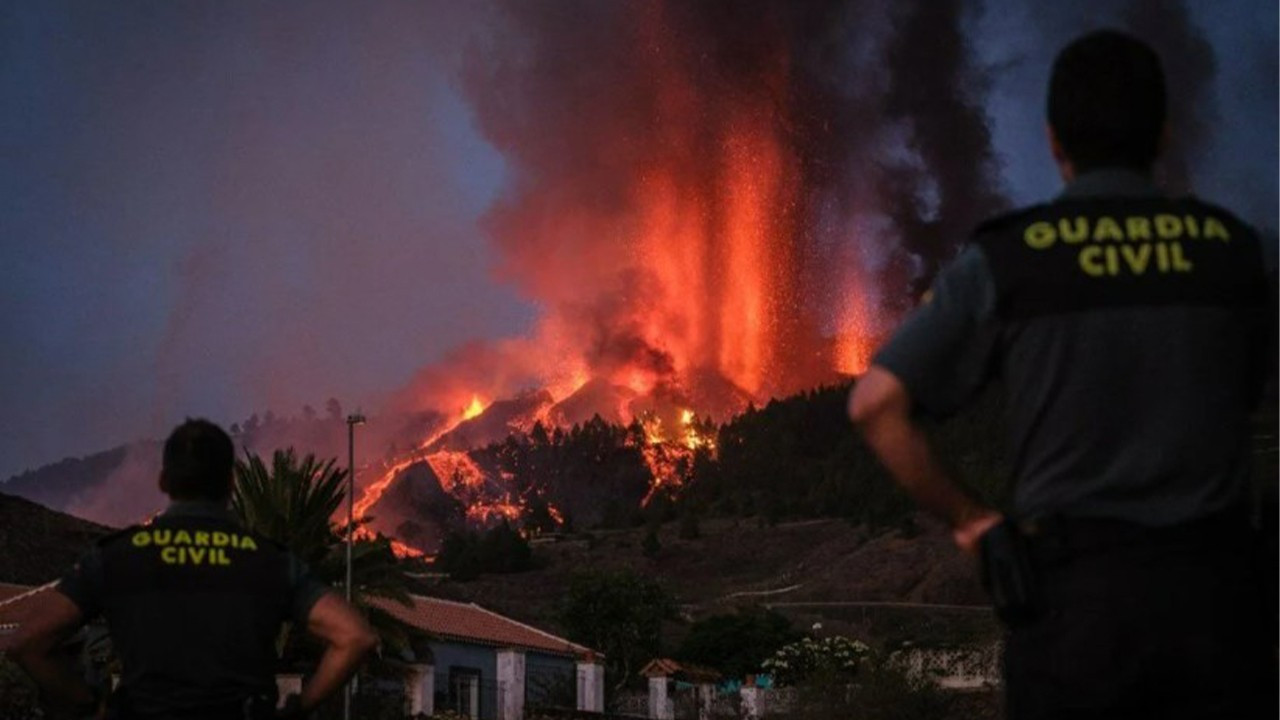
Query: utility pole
[[352, 421]]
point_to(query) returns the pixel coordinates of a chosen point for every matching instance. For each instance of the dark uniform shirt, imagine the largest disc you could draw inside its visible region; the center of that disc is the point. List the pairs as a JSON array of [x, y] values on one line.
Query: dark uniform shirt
[[1129, 331], [194, 603]]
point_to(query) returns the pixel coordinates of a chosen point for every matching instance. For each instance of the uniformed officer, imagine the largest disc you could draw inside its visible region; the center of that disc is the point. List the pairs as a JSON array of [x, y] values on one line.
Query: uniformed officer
[[1130, 332], [194, 603]]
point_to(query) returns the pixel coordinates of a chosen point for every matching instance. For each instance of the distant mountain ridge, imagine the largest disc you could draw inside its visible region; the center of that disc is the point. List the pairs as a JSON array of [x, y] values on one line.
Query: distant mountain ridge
[[120, 486], [116, 487], [58, 483]]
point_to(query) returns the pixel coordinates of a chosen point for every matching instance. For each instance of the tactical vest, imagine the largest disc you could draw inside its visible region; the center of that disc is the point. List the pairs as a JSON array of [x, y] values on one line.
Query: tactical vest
[[1133, 334], [194, 605], [1094, 253]]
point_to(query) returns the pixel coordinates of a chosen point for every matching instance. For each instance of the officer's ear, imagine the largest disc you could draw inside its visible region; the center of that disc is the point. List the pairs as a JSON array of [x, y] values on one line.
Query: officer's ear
[[164, 483], [1066, 168]]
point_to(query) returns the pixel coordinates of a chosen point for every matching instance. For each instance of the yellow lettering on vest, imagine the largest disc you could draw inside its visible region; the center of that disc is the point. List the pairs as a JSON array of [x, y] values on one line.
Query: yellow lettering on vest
[[1215, 230], [1193, 228], [181, 537], [161, 537], [1168, 227], [1039, 236], [169, 555], [197, 555], [1113, 261], [1091, 261], [1162, 257], [220, 539], [1137, 257], [1138, 228], [1107, 229], [1180, 262], [218, 556], [247, 543], [1074, 231], [141, 539], [202, 538]]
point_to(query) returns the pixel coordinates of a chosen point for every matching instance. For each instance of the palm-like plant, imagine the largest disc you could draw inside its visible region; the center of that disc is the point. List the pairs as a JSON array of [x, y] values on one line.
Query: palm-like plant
[[293, 502]]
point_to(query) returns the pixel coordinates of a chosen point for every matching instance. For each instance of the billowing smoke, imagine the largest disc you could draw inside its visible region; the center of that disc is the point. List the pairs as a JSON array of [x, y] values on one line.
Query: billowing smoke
[[940, 93], [129, 494], [743, 190]]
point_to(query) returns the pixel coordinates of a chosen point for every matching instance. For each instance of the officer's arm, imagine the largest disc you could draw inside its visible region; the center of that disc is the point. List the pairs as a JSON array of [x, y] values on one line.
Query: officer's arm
[[881, 406], [53, 620], [348, 638]]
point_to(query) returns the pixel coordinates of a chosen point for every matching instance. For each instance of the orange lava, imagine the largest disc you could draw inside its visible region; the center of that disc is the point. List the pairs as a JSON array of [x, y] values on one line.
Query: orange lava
[[403, 550], [373, 492], [474, 409], [456, 471]]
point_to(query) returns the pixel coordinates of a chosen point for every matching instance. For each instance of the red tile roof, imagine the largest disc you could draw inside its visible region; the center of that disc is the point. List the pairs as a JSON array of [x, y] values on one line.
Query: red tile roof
[[15, 602], [468, 622], [666, 667], [465, 622]]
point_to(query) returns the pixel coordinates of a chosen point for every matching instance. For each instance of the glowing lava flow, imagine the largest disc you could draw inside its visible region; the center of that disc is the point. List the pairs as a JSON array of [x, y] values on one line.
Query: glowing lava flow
[[404, 550], [374, 491], [462, 478], [456, 471]]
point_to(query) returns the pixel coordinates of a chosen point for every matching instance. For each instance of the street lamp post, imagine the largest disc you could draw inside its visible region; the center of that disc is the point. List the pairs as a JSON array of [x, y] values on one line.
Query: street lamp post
[[352, 421]]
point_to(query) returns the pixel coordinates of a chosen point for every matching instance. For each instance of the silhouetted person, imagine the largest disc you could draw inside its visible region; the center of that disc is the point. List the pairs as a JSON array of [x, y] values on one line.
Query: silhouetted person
[[1131, 334], [194, 603]]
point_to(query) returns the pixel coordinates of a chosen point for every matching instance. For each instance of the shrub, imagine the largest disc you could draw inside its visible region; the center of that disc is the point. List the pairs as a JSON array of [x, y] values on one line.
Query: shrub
[[836, 656]]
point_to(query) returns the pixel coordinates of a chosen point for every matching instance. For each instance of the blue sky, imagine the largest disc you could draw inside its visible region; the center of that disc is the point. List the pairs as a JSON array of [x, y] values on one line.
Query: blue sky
[[214, 208]]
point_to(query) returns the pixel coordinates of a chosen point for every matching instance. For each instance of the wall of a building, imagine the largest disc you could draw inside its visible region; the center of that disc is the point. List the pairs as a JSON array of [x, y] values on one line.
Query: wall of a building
[[550, 680], [477, 657]]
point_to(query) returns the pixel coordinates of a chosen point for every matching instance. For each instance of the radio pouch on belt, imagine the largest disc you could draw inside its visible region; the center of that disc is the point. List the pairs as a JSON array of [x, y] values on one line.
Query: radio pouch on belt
[[1008, 574]]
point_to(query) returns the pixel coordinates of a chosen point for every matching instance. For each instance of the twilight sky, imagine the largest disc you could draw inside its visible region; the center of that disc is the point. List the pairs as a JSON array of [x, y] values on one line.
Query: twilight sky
[[216, 208]]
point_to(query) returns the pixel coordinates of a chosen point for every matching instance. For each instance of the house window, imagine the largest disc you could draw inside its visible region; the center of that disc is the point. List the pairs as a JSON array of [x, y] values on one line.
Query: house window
[[464, 691]]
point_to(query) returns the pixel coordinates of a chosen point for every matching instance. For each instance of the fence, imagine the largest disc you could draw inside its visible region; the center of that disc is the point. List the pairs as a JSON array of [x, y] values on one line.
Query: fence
[[632, 703], [552, 685]]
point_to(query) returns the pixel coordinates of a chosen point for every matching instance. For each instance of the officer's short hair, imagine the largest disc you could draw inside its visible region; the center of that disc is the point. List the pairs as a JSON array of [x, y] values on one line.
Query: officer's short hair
[[1107, 101], [198, 457]]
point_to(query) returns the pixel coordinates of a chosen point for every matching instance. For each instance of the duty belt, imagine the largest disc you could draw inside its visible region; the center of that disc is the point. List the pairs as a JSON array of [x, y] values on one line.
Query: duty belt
[[1059, 537]]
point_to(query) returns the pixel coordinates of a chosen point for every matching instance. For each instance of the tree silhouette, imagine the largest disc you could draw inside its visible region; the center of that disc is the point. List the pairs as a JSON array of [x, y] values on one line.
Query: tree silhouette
[[619, 613]]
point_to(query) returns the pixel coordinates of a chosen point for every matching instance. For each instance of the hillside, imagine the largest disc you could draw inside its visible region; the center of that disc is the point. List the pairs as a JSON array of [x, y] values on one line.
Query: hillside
[[39, 544], [882, 586]]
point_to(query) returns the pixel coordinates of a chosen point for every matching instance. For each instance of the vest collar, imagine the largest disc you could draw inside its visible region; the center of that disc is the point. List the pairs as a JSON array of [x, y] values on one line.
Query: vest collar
[[198, 508], [1110, 181]]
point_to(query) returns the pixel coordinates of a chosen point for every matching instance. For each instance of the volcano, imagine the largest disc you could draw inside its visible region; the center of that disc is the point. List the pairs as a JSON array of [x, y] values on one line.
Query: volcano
[[711, 205]]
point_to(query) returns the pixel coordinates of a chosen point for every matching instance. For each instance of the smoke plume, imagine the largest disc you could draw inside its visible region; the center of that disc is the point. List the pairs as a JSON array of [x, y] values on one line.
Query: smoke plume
[[749, 190], [1190, 68]]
